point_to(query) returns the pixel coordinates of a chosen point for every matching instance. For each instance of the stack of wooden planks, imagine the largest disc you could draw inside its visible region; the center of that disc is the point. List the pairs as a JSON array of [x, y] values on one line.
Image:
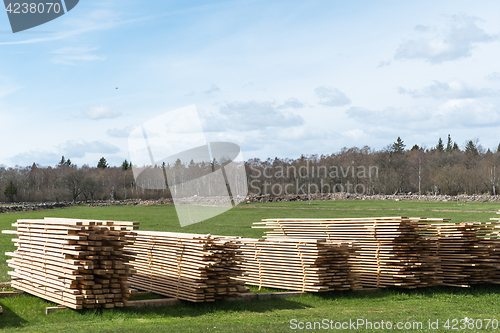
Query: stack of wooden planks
[[493, 240], [467, 252], [72, 262], [191, 267], [387, 249], [297, 264]]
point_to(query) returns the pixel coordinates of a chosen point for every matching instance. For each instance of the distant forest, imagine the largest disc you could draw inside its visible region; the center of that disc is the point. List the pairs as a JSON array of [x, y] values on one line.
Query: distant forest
[[443, 169]]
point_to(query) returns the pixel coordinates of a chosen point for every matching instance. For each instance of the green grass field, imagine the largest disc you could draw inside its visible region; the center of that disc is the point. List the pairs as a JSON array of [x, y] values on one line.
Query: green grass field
[[26, 313]]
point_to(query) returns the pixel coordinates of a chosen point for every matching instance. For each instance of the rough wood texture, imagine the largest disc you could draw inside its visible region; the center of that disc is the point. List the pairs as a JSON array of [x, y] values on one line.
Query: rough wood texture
[[72, 262], [191, 267], [467, 253], [297, 264], [10, 293], [407, 252], [386, 248]]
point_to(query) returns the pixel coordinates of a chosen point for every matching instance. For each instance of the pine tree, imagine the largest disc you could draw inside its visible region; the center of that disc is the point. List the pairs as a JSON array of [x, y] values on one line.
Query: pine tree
[[455, 146], [498, 148], [398, 147], [440, 146], [415, 147], [10, 191], [125, 165], [471, 148], [449, 144], [103, 164]]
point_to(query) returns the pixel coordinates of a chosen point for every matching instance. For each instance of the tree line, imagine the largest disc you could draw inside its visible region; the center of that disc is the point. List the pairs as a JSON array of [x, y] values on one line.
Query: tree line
[[444, 169]]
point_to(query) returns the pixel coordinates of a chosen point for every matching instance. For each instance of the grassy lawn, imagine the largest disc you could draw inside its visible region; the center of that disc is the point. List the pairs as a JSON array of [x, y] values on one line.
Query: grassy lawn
[[26, 313]]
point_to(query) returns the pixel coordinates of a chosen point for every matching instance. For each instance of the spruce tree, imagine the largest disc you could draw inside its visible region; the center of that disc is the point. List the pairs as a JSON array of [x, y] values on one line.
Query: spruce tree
[[440, 146], [10, 191], [398, 147], [125, 165], [449, 144], [103, 164]]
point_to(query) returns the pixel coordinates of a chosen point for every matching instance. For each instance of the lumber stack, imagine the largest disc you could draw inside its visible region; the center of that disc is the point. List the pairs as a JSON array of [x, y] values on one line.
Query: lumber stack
[[467, 252], [386, 252], [191, 267], [491, 239], [297, 264], [72, 262]]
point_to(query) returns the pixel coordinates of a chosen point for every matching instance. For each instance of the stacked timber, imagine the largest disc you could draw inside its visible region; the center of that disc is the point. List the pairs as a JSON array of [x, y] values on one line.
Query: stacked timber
[[191, 267], [297, 264], [494, 242], [466, 251], [387, 249], [72, 262]]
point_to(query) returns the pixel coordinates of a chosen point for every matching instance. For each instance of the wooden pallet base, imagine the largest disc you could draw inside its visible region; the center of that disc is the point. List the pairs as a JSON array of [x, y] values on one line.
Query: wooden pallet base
[[50, 309], [11, 293], [152, 302]]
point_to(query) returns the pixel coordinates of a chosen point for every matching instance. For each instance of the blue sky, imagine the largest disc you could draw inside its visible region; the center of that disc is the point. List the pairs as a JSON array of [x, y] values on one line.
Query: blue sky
[[279, 78]]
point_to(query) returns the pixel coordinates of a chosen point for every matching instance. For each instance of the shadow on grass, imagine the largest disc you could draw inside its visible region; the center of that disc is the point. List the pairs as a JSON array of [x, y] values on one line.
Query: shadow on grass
[[189, 309], [9, 319], [474, 290]]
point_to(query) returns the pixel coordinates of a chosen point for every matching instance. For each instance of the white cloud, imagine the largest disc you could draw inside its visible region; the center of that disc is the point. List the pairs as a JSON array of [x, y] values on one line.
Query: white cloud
[[468, 113], [454, 89], [120, 132], [212, 89], [388, 115], [257, 115], [354, 134], [331, 96], [455, 41], [384, 63], [73, 55], [291, 103], [43, 158], [495, 76], [421, 28], [78, 148], [101, 112], [461, 113]]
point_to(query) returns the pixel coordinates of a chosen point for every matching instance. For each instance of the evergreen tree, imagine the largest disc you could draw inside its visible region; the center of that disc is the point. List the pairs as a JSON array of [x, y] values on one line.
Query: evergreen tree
[[415, 147], [449, 144], [63, 161], [125, 165], [455, 146], [471, 148], [498, 148], [10, 191], [440, 146], [398, 147], [103, 164]]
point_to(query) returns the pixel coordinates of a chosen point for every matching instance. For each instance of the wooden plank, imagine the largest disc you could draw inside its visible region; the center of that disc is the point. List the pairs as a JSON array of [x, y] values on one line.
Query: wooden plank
[[152, 302], [75, 263], [191, 267], [11, 293], [50, 309]]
